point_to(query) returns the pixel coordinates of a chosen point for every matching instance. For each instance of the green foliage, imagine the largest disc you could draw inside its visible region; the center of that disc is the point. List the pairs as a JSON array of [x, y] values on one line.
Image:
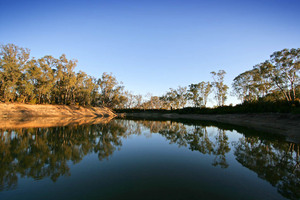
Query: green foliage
[[198, 93], [50, 80], [279, 75], [111, 93], [219, 87], [175, 98], [53, 80], [13, 68]]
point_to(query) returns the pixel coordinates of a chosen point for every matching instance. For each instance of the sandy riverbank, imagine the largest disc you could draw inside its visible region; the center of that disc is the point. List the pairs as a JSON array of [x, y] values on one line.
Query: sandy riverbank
[[26, 110], [27, 116], [282, 124], [43, 122]]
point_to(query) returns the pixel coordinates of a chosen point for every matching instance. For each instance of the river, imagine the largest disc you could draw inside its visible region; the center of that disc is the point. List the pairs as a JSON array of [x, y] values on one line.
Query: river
[[140, 159]]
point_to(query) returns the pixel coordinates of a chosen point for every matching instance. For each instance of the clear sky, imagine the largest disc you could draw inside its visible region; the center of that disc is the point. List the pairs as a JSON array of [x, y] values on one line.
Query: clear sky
[[152, 45]]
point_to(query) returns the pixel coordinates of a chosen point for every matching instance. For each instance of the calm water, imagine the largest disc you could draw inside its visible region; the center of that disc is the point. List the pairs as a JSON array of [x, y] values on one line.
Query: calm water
[[147, 160]]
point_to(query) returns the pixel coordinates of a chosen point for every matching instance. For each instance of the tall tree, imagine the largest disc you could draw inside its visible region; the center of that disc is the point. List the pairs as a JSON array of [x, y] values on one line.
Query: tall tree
[[42, 78], [85, 89], [262, 78], [244, 86], [13, 66], [176, 98], [286, 71], [111, 92], [194, 95], [219, 87], [65, 80], [199, 92]]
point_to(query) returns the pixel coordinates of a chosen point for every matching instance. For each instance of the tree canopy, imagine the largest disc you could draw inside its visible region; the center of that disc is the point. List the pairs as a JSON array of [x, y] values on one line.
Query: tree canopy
[[50, 80], [53, 81]]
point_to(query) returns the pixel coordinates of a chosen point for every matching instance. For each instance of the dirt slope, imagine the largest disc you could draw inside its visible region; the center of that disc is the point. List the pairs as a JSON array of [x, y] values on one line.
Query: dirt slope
[[42, 122], [25, 110]]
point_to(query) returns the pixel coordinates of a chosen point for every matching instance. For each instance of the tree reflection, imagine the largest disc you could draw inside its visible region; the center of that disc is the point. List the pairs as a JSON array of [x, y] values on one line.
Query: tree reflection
[[46, 152], [277, 162], [196, 138], [222, 147]]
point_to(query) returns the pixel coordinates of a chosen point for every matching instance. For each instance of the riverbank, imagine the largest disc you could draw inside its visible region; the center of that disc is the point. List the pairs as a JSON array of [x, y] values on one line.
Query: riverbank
[[45, 122], [287, 125], [27, 110]]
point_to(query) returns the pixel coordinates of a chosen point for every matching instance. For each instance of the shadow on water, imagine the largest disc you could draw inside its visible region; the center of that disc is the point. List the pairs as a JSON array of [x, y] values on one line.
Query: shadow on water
[[45, 152]]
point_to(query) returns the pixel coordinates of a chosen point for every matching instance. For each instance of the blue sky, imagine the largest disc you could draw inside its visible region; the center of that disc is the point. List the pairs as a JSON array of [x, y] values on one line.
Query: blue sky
[[153, 45]]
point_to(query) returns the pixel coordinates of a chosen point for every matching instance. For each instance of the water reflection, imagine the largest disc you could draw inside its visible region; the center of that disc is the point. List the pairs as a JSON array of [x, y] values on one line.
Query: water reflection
[[45, 152], [276, 162]]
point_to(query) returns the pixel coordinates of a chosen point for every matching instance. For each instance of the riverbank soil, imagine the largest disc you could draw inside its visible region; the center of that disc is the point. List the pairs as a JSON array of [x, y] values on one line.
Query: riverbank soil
[[27, 110]]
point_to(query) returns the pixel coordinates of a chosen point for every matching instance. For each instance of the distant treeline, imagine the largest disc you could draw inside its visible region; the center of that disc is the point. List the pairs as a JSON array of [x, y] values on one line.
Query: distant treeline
[[271, 86], [53, 81], [273, 82], [246, 107]]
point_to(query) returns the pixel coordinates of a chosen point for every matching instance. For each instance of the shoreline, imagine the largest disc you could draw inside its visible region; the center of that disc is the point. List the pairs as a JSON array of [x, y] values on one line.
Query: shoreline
[[46, 122], [27, 110], [287, 125], [16, 115]]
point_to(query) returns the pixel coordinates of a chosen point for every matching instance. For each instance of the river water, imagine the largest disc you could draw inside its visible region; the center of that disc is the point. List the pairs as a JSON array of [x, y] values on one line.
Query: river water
[[140, 159]]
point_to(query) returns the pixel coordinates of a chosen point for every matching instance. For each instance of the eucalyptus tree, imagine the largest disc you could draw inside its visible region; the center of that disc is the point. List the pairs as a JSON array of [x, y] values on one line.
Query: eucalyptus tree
[[199, 92], [13, 65], [177, 98], [244, 86], [240, 86], [25, 90], [280, 73], [264, 83], [220, 88], [193, 94], [286, 71], [41, 76], [170, 98], [111, 92], [206, 89], [138, 100], [85, 90], [181, 96], [155, 102], [129, 100], [165, 102], [65, 80]]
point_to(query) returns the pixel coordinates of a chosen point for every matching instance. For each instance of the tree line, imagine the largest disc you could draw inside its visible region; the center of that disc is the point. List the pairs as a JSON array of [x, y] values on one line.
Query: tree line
[[271, 83], [50, 80], [195, 94]]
